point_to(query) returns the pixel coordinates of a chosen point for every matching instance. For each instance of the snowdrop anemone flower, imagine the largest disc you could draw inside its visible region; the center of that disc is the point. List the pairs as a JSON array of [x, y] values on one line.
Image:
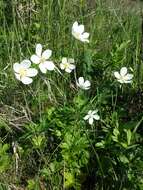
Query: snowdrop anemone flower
[[123, 76], [67, 64], [23, 72], [42, 59], [83, 84], [78, 32], [91, 116]]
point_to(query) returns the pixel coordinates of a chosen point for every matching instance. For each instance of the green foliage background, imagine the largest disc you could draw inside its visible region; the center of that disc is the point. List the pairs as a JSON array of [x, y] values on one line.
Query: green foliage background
[[55, 148]]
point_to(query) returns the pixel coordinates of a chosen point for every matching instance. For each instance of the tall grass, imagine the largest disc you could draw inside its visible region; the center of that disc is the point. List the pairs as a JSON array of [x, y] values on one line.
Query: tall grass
[[56, 149]]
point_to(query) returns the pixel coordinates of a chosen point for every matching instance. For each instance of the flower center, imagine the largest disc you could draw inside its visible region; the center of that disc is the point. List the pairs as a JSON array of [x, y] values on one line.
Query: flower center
[[22, 72], [67, 65], [123, 78], [42, 60], [78, 35]]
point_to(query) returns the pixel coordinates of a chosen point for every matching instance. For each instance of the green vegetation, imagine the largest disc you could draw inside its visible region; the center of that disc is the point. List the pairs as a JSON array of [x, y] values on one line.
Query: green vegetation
[[45, 144]]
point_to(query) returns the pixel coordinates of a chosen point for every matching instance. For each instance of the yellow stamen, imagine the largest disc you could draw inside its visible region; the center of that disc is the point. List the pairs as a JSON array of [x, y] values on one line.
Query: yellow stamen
[[66, 65], [22, 72], [42, 60]]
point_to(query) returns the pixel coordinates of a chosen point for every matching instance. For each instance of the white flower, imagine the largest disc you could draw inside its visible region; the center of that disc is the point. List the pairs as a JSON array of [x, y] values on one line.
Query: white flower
[[91, 116], [42, 59], [67, 64], [123, 76], [78, 32], [83, 84], [23, 72]]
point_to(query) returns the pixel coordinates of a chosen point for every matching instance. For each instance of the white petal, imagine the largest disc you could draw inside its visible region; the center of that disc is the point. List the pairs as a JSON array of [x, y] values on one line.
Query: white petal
[[83, 39], [71, 66], [25, 64], [81, 80], [26, 80], [47, 54], [68, 70], [96, 117], [85, 35], [70, 60], [42, 68], [121, 81], [128, 76], [128, 81], [16, 67], [75, 26], [49, 65], [87, 84], [95, 111], [123, 71], [80, 29], [89, 112], [85, 88], [17, 76], [39, 50], [91, 121], [84, 85], [76, 35], [62, 66], [117, 75], [32, 72], [86, 117], [35, 59], [64, 60]]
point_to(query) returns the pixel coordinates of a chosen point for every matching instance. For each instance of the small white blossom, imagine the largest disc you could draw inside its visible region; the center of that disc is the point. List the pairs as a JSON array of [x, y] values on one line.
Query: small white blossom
[[23, 72], [83, 84], [43, 59], [91, 116], [78, 32], [67, 64], [123, 76]]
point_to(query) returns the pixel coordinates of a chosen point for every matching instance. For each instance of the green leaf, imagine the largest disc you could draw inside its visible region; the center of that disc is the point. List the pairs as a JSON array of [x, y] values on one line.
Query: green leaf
[[100, 144], [116, 132], [69, 179], [129, 136], [124, 159], [38, 141]]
